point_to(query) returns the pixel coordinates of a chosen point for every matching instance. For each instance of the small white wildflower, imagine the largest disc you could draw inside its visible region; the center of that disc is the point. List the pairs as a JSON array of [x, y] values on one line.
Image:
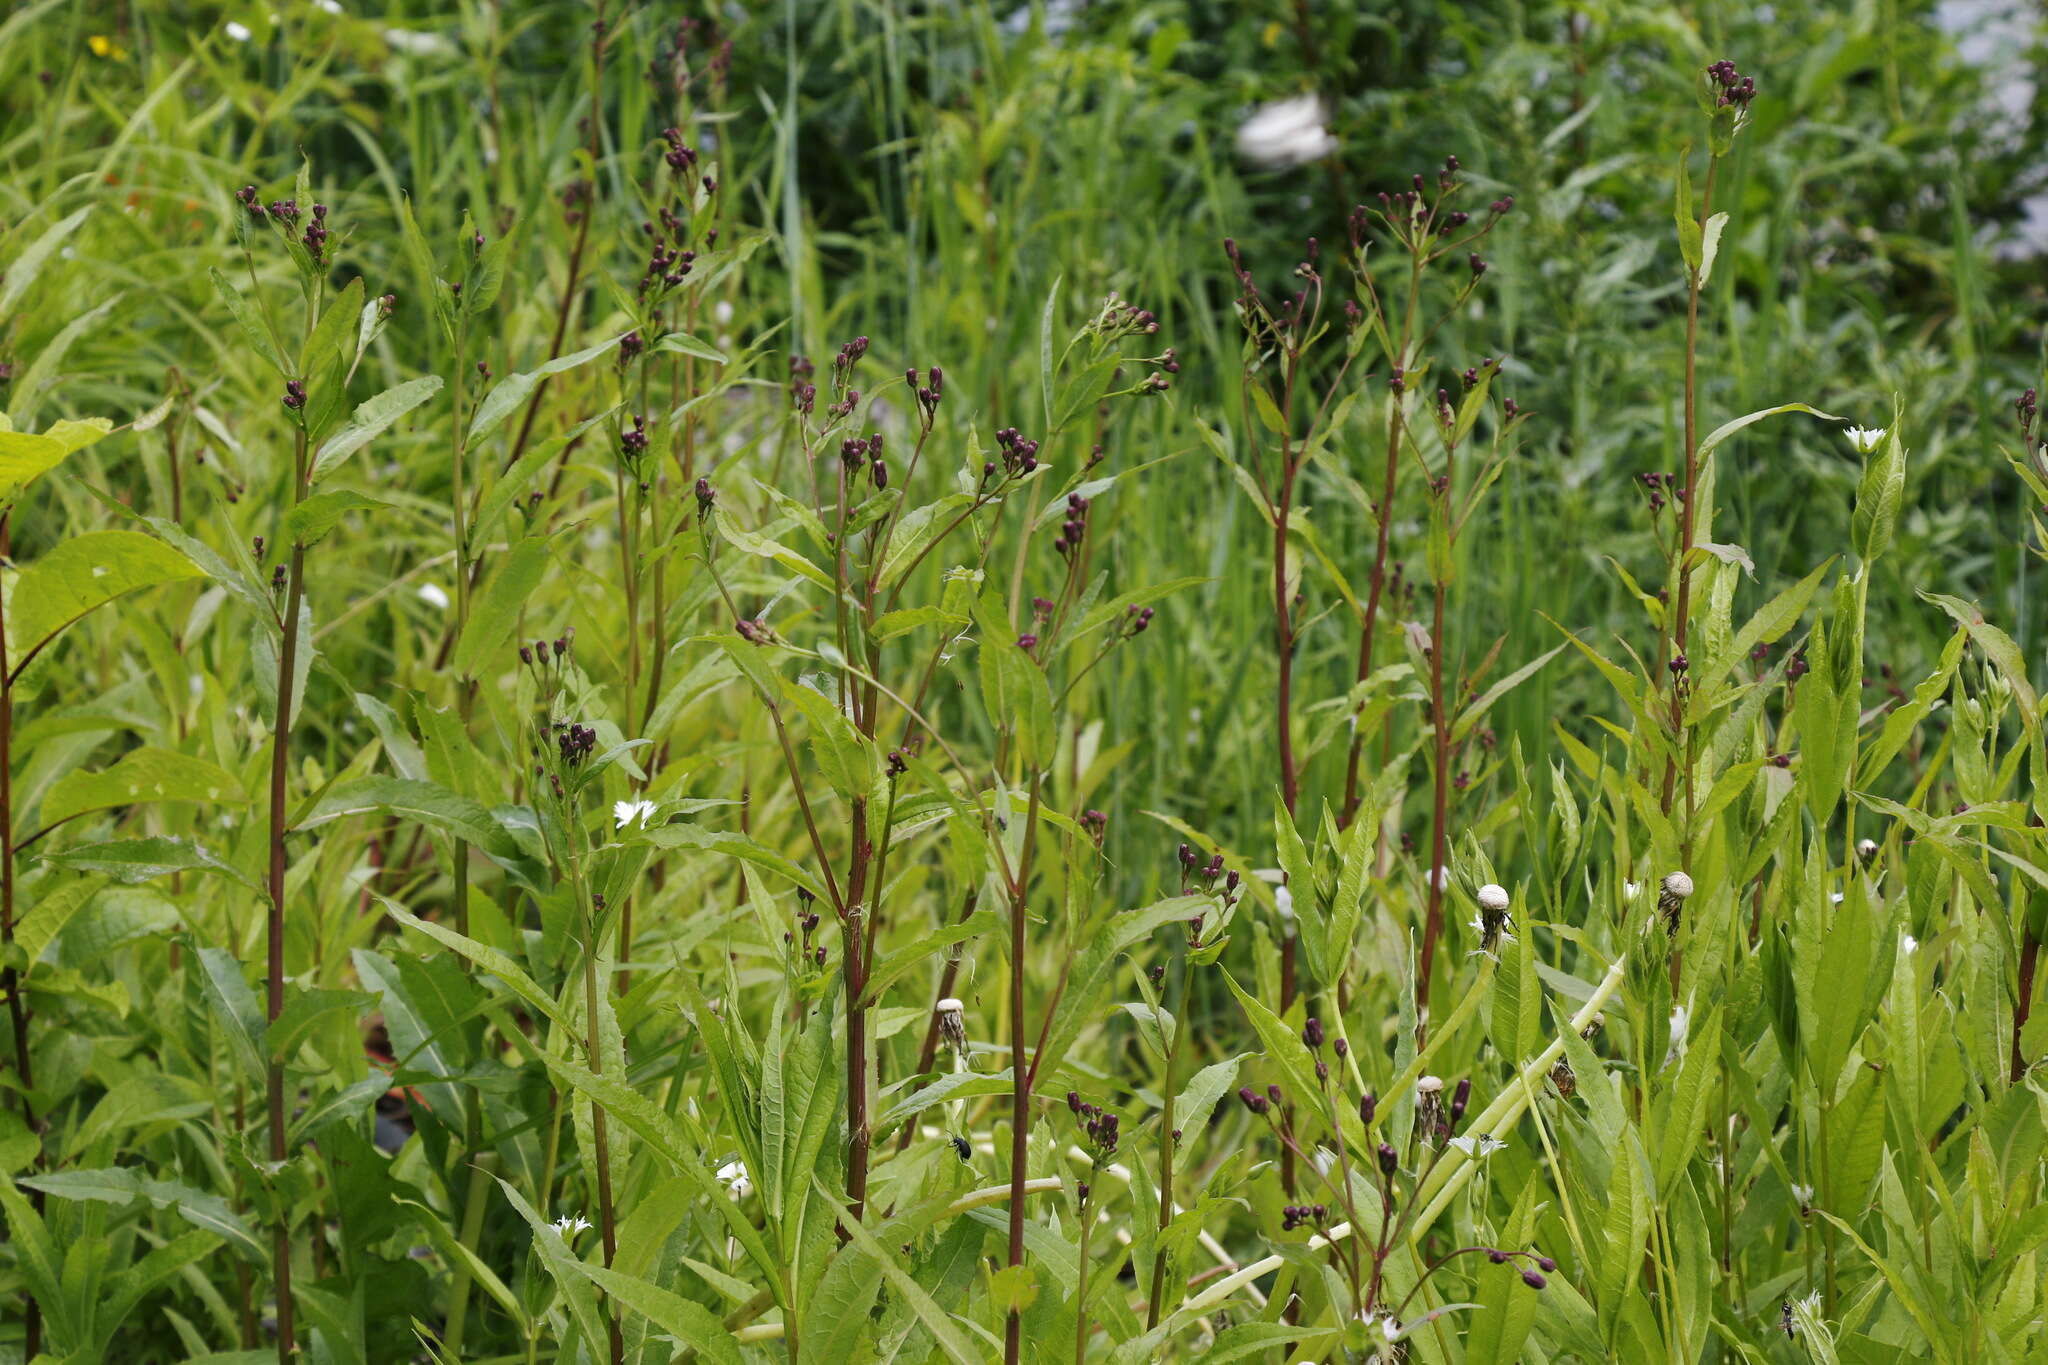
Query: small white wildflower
[[1390, 1328], [1289, 132], [434, 595], [721, 312], [1865, 439], [1908, 944], [570, 1226], [1440, 876], [238, 31], [1836, 898], [625, 813], [1630, 890], [733, 1175], [1679, 1022], [1283, 900], [1803, 1194], [1478, 1144]]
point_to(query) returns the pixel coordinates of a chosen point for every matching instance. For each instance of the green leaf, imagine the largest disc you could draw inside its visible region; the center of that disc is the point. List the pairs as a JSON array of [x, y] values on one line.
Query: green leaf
[[1727, 429], [495, 612], [427, 802], [234, 1006], [132, 861], [84, 572], [1623, 1233], [1879, 493], [1016, 693], [515, 389], [246, 317], [306, 1010], [1689, 245], [682, 343], [1711, 246], [935, 1319], [843, 754], [25, 458], [22, 271], [123, 1185], [1517, 1014], [309, 521], [370, 419], [138, 777], [690, 1323]]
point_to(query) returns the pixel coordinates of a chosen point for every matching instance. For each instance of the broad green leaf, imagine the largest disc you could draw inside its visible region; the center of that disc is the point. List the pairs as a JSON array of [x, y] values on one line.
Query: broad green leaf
[[125, 1185], [427, 802], [308, 523], [82, 573], [139, 777], [370, 420], [1727, 429], [246, 316], [131, 861], [515, 389]]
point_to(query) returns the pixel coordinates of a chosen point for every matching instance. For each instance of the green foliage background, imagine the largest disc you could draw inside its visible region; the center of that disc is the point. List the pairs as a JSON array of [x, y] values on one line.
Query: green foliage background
[[963, 186]]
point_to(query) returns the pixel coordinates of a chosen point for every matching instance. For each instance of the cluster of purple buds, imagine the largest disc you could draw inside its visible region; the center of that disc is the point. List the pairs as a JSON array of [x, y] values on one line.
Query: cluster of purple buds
[[679, 156], [1501, 207], [1655, 485], [294, 395], [575, 741], [1257, 1103], [667, 264], [387, 304], [1073, 528], [633, 440], [896, 765], [575, 195], [631, 345], [315, 236], [803, 394], [1098, 1126], [1736, 89], [2026, 405], [1136, 618], [929, 392], [1293, 1216], [856, 451], [1094, 824], [1119, 319], [1019, 454], [1477, 264], [1207, 875], [707, 498], [848, 357], [250, 200]]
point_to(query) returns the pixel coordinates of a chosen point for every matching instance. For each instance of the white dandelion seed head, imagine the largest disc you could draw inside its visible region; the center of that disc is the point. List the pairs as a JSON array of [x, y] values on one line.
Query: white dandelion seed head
[[1677, 884], [1430, 1085], [1492, 897]]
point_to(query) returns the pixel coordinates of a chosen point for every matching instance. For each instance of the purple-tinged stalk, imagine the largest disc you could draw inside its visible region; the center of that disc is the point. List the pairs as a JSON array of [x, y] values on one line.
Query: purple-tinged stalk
[[10, 981], [1726, 94]]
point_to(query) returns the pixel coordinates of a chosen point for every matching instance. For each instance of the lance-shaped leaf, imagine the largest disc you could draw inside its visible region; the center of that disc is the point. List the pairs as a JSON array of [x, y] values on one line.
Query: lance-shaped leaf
[[370, 420], [311, 519], [123, 1185], [427, 802], [515, 389], [84, 572]]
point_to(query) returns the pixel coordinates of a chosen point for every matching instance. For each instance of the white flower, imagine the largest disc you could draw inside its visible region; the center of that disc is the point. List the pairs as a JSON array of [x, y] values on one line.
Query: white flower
[[570, 1226], [721, 312], [1441, 876], [625, 813], [331, 6], [733, 1175], [1283, 900], [238, 31], [1908, 944], [1287, 132], [1803, 1194], [434, 595], [1679, 1022], [417, 44], [1835, 898], [1865, 439], [1630, 890], [1478, 1144]]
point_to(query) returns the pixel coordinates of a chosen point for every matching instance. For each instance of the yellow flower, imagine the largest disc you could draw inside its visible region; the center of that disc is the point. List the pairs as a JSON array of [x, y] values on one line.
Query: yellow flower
[[100, 46]]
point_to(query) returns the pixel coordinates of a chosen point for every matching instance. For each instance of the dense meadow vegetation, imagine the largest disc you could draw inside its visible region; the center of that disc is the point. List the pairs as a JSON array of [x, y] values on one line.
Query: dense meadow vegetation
[[840, 681]]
